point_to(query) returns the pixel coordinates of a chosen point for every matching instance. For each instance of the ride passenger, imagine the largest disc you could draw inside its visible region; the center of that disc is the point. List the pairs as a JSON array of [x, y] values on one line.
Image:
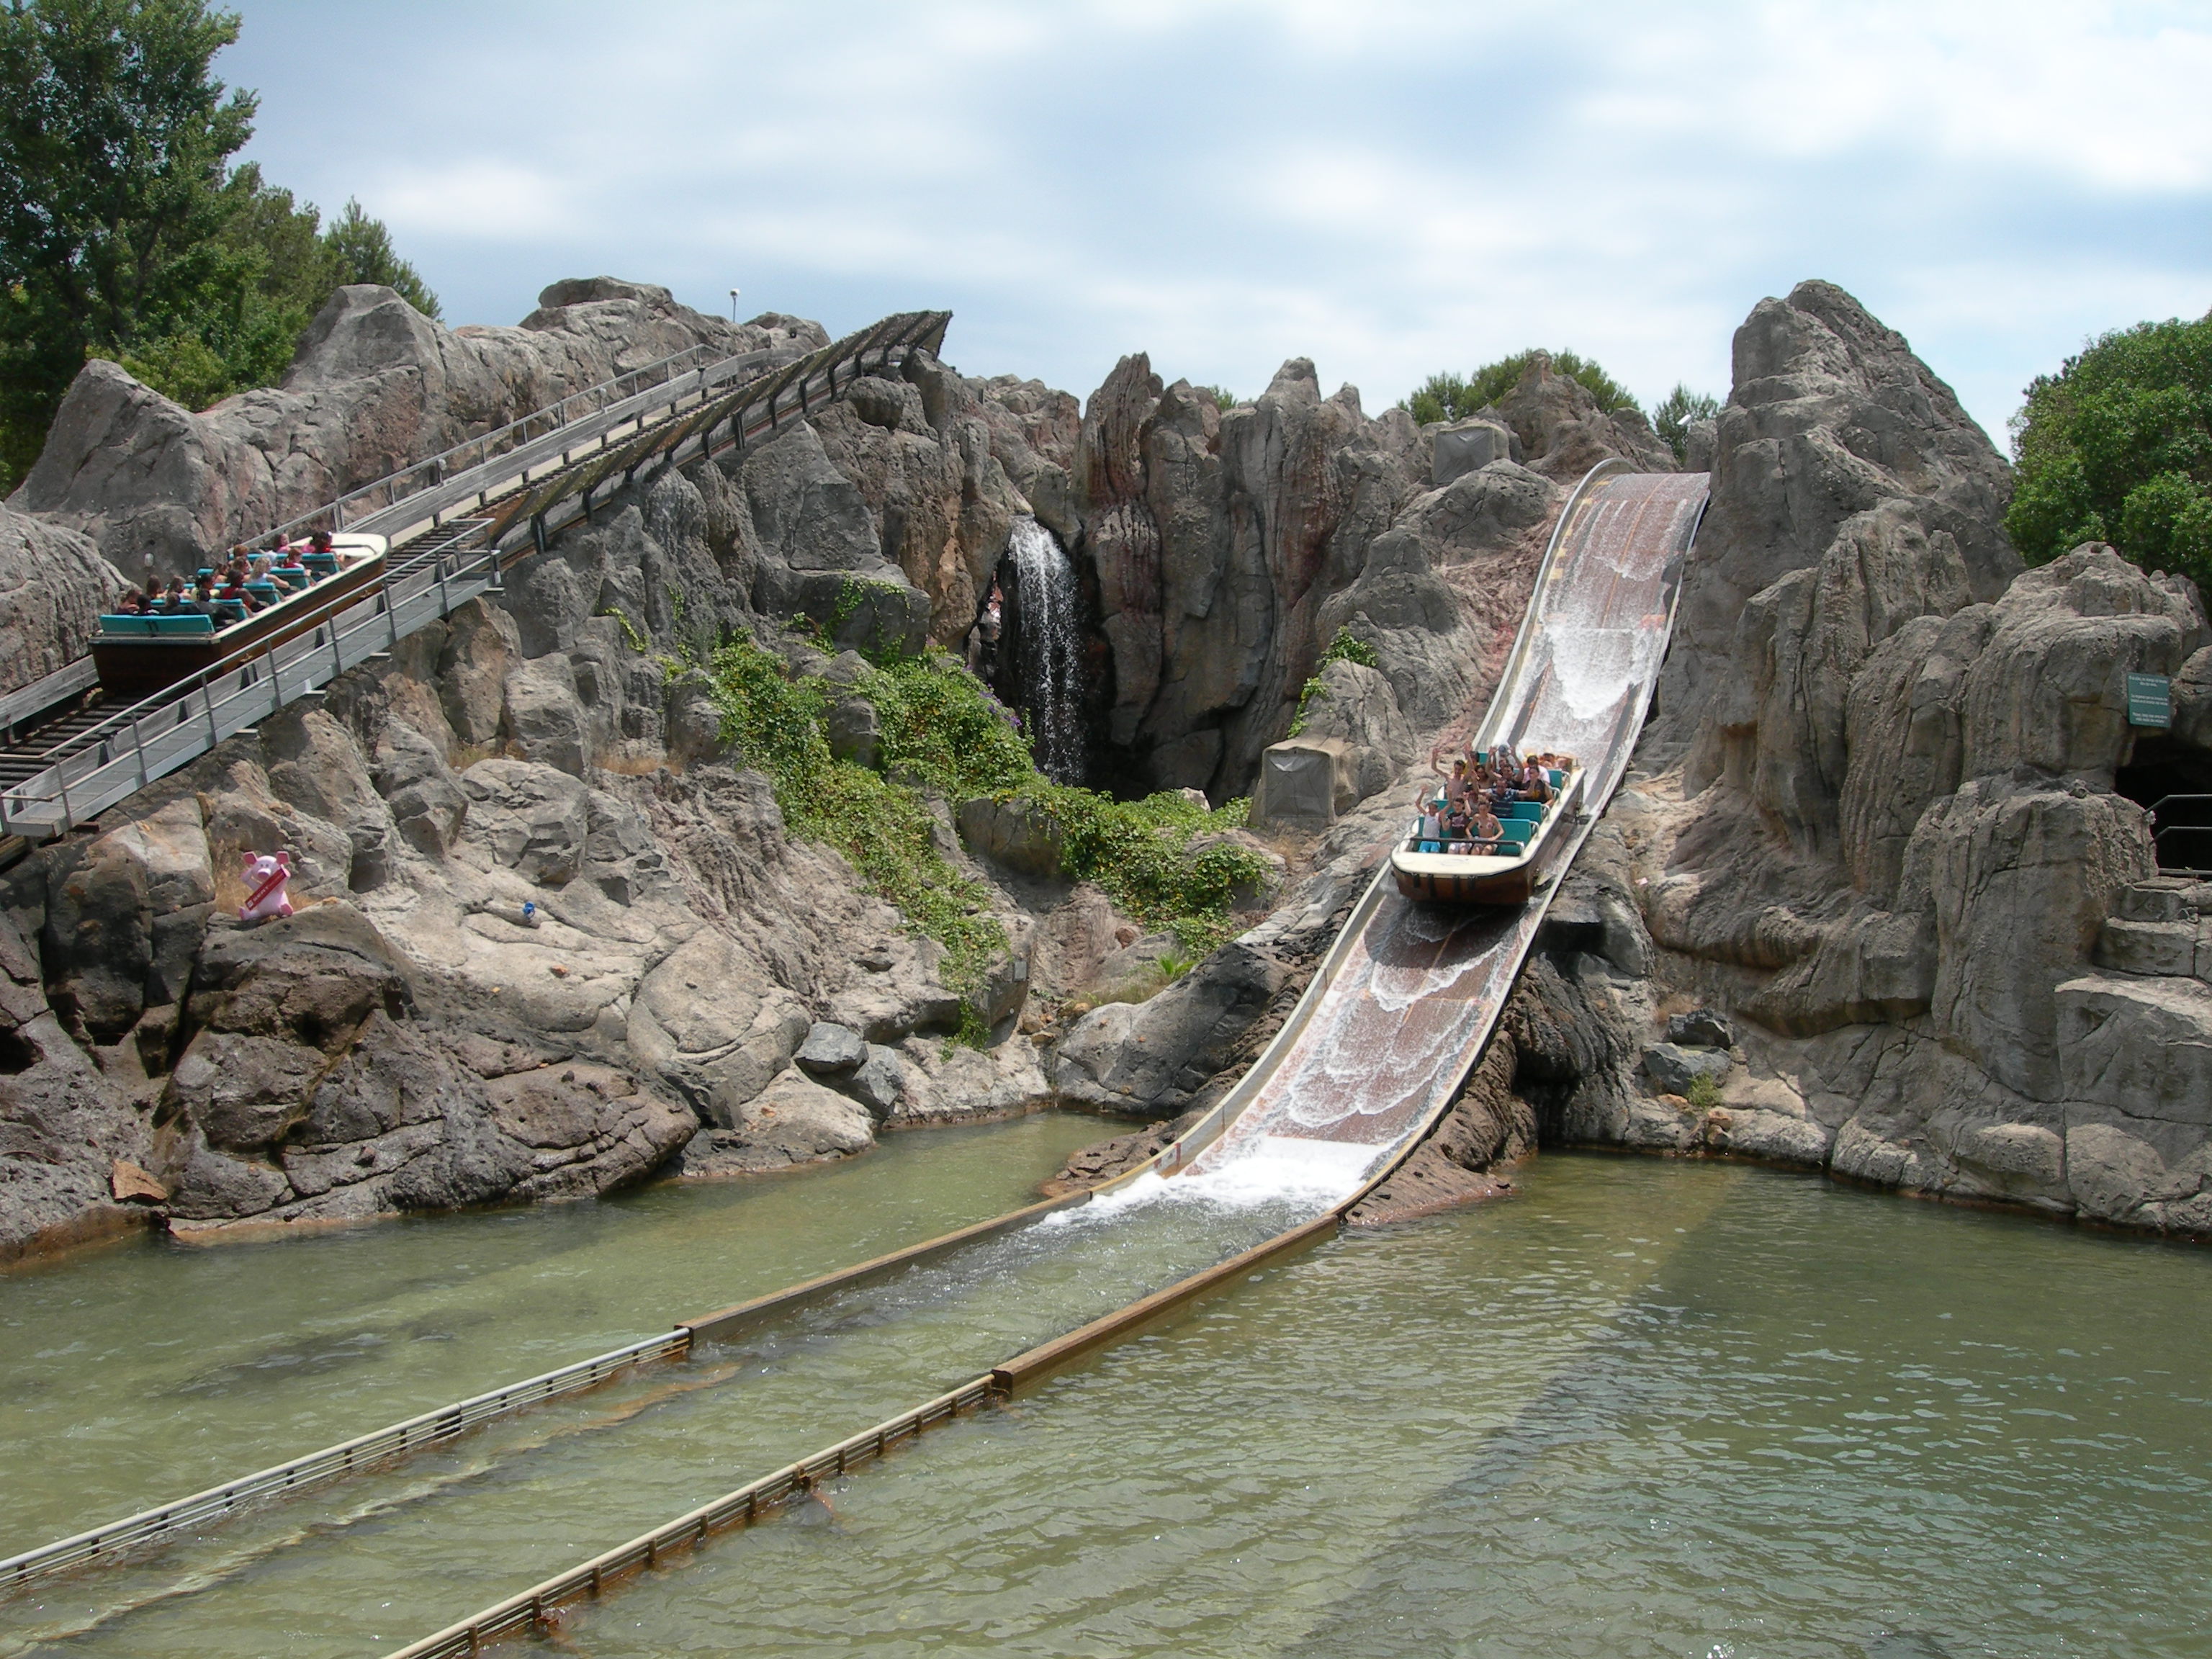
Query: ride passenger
[[1486, 832], [1456, 783], [1453, 829], [1432, 828], [234, 592]]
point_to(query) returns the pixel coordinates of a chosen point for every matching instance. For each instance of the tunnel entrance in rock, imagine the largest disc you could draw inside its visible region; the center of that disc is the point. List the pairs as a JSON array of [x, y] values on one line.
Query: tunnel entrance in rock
[[2172, 781]]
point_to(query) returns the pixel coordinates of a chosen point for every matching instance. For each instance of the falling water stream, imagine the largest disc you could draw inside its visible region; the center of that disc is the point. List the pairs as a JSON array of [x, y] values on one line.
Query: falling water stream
[[1048, 651]]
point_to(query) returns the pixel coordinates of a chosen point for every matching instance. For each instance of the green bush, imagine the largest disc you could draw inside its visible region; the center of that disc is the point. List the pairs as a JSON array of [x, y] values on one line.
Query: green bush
[[2117, 446], [1671, 418], [1346, 647], [940, 730], [1449, 396]]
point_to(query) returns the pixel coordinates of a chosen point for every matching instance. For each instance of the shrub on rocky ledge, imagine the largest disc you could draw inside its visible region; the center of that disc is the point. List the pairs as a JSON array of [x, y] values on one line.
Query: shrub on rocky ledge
[[941, 732]]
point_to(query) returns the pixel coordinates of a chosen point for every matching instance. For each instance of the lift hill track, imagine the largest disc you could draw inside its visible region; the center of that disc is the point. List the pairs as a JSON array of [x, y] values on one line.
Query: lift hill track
[[453, 523]]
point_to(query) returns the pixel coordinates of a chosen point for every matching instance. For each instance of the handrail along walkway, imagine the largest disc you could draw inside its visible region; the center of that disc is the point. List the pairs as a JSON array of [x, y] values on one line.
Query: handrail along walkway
[[451, 561]]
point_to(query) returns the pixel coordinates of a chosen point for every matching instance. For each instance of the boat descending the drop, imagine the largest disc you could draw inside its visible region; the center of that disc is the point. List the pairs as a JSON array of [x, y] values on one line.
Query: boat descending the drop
[[1446, 871]]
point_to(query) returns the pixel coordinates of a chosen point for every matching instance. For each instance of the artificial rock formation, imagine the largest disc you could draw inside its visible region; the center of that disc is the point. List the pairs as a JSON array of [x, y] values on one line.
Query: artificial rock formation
[[555, 935], [375, 386], [1882, 824], [53, 586], [1230, 548]]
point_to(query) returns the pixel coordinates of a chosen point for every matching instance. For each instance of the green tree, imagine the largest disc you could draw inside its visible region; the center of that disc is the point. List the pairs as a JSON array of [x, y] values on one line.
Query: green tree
[[113, 142], [1671, 418], [124, 231], [1450, 397], [2117, 446], [361, 250]]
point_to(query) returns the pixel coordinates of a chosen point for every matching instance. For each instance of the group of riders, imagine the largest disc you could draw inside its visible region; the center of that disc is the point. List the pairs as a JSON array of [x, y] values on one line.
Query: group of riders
[[245, 582], [1463, 815]]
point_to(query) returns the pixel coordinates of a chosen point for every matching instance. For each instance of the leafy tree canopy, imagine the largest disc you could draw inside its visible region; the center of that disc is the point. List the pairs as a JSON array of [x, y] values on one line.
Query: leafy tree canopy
[[2117, 446], [1450, 397], [1671, 418], [125, 232]]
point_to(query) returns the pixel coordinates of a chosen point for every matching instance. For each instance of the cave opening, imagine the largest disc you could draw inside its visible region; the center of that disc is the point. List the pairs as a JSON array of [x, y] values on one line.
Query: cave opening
[[2172, 781]]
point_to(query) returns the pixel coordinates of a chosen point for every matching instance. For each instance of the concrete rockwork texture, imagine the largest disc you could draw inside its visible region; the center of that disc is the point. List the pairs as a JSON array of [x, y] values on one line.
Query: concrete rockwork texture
[[1872, 903]]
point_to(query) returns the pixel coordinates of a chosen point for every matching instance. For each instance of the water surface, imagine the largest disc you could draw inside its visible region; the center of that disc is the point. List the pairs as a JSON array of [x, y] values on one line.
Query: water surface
[[1649, 1408], [140, 1372]]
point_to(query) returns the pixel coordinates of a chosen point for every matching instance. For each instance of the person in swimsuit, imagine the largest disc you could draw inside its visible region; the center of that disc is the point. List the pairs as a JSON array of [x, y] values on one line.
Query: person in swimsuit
[[1486, 831]]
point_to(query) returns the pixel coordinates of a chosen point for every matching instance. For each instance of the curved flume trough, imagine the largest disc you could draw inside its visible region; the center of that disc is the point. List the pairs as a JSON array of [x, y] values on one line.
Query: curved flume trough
[[1393, 1020], [1401, 1008]]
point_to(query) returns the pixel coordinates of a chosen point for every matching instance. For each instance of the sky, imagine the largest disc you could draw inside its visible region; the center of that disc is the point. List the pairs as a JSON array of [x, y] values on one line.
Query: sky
[[1389, 187]]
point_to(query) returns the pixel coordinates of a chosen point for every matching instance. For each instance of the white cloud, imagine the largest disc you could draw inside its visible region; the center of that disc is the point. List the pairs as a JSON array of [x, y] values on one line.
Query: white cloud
[[1388, 187]]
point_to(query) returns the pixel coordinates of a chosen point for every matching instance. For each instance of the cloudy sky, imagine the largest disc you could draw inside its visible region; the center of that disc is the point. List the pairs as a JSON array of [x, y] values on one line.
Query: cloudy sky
[[1388, 186]]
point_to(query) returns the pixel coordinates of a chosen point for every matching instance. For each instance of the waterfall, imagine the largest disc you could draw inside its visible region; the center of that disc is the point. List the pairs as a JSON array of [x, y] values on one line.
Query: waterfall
[[1049, 656]]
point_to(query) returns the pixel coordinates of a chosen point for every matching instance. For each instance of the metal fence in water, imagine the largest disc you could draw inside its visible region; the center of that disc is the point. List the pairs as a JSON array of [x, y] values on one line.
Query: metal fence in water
[[347, 1457]]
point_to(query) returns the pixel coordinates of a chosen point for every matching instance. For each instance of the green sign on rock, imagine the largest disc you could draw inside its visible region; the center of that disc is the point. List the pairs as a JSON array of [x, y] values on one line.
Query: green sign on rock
[[2150, 700]]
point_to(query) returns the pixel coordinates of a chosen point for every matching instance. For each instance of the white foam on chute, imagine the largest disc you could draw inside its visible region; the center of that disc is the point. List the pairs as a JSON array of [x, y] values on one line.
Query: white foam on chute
[[1271, 1170]]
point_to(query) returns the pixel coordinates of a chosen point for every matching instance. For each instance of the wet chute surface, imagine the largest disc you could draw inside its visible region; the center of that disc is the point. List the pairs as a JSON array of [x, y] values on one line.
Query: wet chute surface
[[1417, 992]]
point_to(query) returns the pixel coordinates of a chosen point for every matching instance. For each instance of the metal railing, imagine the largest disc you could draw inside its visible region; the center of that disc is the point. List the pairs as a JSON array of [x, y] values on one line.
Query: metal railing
[[435, 469], [762, 407], [2160, 832], [682, 418], [348, 1457], [177, 724], [749, 1503]]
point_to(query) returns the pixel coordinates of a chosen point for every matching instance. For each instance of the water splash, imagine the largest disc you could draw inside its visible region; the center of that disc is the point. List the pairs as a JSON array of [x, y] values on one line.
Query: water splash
[[1048, 662]]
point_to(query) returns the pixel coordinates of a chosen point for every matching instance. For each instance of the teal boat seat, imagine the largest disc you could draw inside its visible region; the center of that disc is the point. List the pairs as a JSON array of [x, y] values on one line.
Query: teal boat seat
[[156, 626], [1531, 810]]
